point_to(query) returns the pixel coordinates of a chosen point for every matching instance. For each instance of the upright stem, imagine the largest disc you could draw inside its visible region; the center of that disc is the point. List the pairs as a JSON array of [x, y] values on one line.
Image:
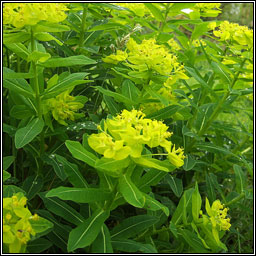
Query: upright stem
[[165, 18], [38, 100], [83, 25]]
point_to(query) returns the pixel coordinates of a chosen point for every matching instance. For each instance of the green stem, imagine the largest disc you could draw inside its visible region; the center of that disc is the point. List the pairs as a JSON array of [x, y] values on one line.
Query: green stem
[[38, 101], [236, 199], [83, 25], [161, 27]]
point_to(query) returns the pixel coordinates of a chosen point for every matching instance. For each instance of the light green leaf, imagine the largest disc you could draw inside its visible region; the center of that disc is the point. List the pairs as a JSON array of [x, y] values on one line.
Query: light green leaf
[[68, 61], [6, 175], [44, 36], [196, 203], [18, 37], [20, 49], [79, 195], [130, 192], [86, 233], [48, 27], [153, 205], [65, 84], [164, 112], [79, 152], [155, 11], [26, 134], [38, 56], [40, 225], [21, 112]]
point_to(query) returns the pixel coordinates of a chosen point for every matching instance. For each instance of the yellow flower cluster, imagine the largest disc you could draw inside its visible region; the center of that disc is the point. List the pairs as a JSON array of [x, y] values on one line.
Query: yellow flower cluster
[[126, 134], [138, 8], [115, 58], [208, 9], [242, 35], [218, 215], [23, 14], [16, 226], [196, 43], [63, 107], [174, 45], [150, 56]]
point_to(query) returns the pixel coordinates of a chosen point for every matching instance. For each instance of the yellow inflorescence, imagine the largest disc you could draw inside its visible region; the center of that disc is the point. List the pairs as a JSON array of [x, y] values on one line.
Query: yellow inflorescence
[[242, 35], [126, 134], [218, 215], [115, 58], [17, 229], [29, 14], [208, 9], [63, 107]]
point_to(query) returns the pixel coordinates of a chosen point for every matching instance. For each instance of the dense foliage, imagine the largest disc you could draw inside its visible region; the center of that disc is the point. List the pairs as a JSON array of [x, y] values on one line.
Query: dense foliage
[[127, 128]]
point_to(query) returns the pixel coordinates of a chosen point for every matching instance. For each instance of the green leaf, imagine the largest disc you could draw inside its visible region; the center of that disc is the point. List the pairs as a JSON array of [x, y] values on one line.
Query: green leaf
[[220, 69], [177, 7], [210, 147], [240, 178], [113, 107], [19, 86], [38, 56], [111, 166], [155, 11], [210, 188], [32, 185], [153, 205], [118, 97], [178, 214], [20, 49], [40, 225], [57, 167], [151, 178], [48, 27], [175, 184], [68, 61], [62, 209], [6, 175], [80, 153], [154, 163], [79, 195], [173, 229], [127, 245], [107, 27], [18, 75], [86, 232], [67, 83], [103, 243], [196, 203], [203, 115], [164, 112], [7, 161], [38, 245], [130, 91], [183, 22], [26, 134], [18, 37], [199, 30], [189, 162], [21, 112], [132, 226], [193, 240], [44, 36], [10, 190], [72, 172], [130, 192]]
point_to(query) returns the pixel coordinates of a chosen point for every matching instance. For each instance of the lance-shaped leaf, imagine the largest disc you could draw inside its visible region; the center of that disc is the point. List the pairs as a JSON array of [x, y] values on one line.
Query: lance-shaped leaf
[[79, 195], [165, 166], [85, 233], [103, 243], [20, 49], [26, 134], [130, 192], [175, 185], [196, 203], [62, 209], [68, 82], [240, 178], [79, 152], [132, 226], [164, 112], [19, 86], [68, 61], [154, 205]]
